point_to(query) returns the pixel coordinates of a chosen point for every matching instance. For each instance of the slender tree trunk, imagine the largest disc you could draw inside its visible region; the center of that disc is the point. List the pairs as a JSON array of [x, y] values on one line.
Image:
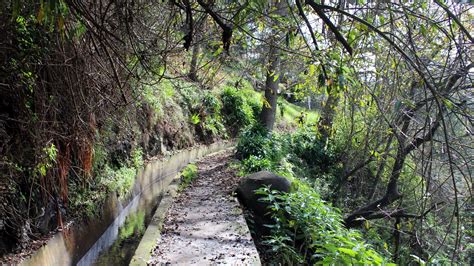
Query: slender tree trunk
[[193, 68], [199, 25], [396, 240], [268, 114], [329, 111]]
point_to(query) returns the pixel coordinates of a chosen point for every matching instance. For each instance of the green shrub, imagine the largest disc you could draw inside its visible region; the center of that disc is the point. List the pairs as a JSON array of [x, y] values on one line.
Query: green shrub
[[254, 164], [205, 112], [307, 145], [257, 141], [158, 97], [308, 230], [236, 110], [100, 157], [254, 140], [254, 100], [211, 103], [137, 157], [190, 96], [150, 96], [120, 180], [84, 201], [212, 122]]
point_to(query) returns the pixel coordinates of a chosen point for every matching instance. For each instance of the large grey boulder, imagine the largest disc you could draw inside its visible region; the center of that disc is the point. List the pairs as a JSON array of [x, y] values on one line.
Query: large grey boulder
[[252, 202]]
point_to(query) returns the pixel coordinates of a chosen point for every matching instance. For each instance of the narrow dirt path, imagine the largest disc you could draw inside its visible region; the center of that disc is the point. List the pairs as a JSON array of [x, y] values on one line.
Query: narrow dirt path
[[205, 225]]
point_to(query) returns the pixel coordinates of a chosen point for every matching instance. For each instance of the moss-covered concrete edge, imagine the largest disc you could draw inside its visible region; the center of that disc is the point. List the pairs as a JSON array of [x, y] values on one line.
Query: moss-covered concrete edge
[[153, 231]]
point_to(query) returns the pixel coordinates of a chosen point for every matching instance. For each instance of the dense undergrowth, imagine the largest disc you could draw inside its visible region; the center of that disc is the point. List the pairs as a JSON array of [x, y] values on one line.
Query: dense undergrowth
[[310, 230], [307, 228]]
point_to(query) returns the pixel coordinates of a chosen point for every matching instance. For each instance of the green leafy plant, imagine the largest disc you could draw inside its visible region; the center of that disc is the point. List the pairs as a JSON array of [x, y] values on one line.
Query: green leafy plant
[[213, 123], [309, 230], [136, 158], [48, 159], [254, 140], [188, 174], [195, 119], [205, 109], [255, 164], [120, 180]]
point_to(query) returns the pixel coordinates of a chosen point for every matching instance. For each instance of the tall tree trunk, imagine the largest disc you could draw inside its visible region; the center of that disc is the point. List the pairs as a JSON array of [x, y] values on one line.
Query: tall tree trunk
[[268, 114], [193, 68], [329, 111]]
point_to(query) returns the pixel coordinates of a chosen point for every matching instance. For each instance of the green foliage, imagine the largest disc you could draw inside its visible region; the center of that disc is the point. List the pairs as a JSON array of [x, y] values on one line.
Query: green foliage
[[262, 150], [168, 90], [100, 158], [254, 100], [120, 180], [136, 158], [255, 163], [47, 160], [150, 97], [205, 108], [254, 140], [51, 12], [315, 152], [158, 97], [31, 42], [195, 119], [236, 109], [212, 120], [84, 202], [188, 174], [258, 142], [309, 230], [301, 152], [191, 96]]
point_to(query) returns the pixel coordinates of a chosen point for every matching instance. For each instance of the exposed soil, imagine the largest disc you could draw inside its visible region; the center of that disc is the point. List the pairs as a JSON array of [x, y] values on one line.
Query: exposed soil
[[205, 224]]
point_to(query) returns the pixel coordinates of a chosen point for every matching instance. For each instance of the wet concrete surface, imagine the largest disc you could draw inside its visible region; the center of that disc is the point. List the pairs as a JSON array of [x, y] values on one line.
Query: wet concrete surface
[[205, 224]]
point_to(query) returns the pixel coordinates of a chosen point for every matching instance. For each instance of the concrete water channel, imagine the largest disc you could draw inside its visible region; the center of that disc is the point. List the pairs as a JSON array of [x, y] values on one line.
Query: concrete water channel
[[111, 238]]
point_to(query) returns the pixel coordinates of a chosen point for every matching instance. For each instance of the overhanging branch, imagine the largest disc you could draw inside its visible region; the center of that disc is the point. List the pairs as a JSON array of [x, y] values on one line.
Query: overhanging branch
[[226, 29], [317, 8]]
